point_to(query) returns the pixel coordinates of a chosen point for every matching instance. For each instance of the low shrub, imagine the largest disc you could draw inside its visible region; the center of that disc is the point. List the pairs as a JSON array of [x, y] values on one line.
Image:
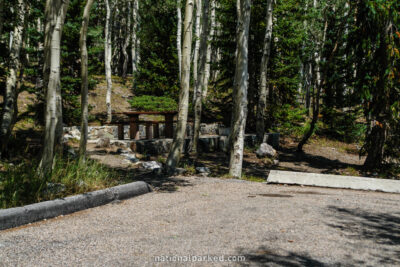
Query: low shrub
[[153, 103]]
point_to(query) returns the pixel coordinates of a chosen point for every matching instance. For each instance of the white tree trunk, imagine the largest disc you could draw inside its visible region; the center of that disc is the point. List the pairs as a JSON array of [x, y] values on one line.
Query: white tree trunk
[[84, 77], [197, 44], [216, 52], [179, 38], [56, 17], [263, 91], [239, 111], [107, 59], [209, 50], [200, 85], [127, 40], [11, 94], [179, 139]]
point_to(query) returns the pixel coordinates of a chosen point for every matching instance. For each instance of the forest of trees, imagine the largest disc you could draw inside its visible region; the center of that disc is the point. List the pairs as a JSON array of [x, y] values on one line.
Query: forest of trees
[[330, 67]]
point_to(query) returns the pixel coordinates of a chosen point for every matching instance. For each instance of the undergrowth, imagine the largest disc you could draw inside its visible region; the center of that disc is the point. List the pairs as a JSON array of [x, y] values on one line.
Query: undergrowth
[[21, 185]]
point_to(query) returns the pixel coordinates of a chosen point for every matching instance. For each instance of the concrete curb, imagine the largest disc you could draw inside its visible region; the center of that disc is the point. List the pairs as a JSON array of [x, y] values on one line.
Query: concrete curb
[[14, 217], [334, 181]]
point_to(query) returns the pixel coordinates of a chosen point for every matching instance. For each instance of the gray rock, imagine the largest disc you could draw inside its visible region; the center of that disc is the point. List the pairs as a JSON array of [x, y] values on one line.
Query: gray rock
[[71, 133], [130, 157], [103, 142], [151, 165], [209, 129], [266, 150], [120, 144], [203, 170], [124, 151], [276, 162], [105, 134]]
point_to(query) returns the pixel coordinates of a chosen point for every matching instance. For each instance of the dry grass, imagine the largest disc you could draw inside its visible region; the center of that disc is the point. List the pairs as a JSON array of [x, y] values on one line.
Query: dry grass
[[119, 99], [340, 146]]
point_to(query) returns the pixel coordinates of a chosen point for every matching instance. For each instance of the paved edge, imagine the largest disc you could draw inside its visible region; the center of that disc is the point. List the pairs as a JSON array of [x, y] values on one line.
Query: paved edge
[[334, 181], [14, 217]]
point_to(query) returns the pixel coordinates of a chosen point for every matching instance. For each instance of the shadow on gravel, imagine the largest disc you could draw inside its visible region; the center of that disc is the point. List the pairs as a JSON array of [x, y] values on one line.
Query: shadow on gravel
[[382, 228], [263, 256], [319, 162]]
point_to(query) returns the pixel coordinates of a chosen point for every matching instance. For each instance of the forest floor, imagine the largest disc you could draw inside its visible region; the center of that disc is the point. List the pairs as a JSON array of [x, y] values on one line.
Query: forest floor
[[321, 155]]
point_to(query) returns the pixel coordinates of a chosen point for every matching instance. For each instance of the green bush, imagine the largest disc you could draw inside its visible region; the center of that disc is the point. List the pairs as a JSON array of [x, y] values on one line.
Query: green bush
[[153, 103], [290, 120]]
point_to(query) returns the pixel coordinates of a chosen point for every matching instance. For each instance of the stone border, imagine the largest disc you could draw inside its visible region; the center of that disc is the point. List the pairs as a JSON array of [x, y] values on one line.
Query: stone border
[[14, 217], [334, 181]]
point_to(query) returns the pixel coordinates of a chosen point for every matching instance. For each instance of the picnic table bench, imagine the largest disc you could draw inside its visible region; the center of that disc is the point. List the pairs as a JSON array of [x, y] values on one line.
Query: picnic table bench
[[152, 126]]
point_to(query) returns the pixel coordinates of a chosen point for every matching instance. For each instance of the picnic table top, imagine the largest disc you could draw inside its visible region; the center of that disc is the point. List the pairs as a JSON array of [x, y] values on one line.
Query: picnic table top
[[147, 112]]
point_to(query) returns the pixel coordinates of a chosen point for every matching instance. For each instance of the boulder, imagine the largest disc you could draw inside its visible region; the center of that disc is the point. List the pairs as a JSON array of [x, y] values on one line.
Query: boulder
[[151, 165], [266, 150], [130, 157], [119, 144], [203, 170], [103, 142], [71, 133]]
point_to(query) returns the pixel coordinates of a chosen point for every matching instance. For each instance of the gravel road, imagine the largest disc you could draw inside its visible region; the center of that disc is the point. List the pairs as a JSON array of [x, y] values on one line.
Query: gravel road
[[267, 224]]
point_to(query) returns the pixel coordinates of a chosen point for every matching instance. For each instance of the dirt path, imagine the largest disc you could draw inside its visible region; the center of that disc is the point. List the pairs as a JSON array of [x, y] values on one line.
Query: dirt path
[[267, 224]]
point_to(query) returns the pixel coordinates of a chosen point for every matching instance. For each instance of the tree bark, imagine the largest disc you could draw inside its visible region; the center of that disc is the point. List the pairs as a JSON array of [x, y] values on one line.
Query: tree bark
[[209, 50], [57, 13], [197, 45], [126, 43], [9, 113], [179, 38], [107, 59], [262, 101], [179, 139], [200, 85], [239, 111], [84, 77]]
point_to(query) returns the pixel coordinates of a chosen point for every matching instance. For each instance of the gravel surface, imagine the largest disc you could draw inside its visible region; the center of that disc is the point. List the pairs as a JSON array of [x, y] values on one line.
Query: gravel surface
[[267, 224]]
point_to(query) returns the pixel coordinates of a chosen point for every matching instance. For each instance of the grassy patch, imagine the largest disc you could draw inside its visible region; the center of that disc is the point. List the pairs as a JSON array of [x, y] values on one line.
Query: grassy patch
[[245, 177], [21, 185], [252, 178], [190, 169]]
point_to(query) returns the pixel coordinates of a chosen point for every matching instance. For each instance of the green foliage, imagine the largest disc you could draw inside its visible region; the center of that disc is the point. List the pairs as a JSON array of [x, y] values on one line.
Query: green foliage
[[158, 68], [21, 184], [344, 126], [289, 120], [153, 103]]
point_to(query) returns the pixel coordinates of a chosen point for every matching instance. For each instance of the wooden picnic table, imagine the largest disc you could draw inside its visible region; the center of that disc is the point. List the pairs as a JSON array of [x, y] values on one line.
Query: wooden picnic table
[[134, 123]]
